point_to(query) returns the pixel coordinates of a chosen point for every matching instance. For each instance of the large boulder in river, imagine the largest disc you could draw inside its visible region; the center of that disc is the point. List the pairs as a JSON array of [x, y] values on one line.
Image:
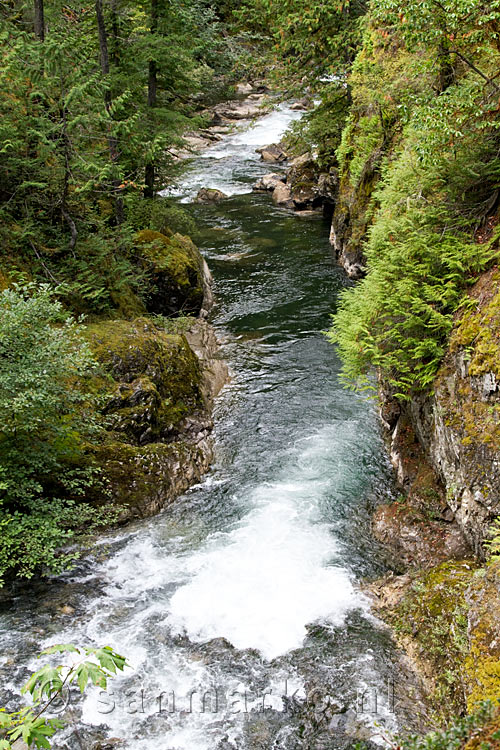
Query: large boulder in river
[[302, 178], [210, 195], [282, 196], [177, 279], [272, 153], [158, 383], [269, 182], [239, 110]]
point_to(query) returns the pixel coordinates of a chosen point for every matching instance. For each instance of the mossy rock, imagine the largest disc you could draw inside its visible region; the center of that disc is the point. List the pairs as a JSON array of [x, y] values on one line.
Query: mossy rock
[[482, 666], [174, 269], [155, 378], [434, 614], [145, 479]]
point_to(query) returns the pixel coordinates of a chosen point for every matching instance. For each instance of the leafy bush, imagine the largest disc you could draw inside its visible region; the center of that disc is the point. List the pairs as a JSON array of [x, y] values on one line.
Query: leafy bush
[[46, 420]]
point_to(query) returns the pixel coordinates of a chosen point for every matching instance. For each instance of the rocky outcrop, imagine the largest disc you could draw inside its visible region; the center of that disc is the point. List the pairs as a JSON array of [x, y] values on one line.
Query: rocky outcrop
[[282, 196], [269, 182], [159, 378], [458, 426], [160, 388], [303, 188]]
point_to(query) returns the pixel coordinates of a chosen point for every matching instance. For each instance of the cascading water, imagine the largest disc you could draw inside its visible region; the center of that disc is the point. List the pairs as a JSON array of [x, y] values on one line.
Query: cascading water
[[245, 590]]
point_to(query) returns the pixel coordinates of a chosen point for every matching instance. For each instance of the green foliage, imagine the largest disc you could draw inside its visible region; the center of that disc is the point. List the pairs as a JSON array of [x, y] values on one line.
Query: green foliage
[[435, 148], [319, 130], [312, 40], [457, 735], [46, 421], [31, 724], [492, 544], [161, 215], [75, 142], [399, 316]]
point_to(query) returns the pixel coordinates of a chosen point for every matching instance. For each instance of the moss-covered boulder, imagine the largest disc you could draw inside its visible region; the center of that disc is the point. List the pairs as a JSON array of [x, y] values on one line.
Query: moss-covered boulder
[[145, 479], [429, 613], [156, 378], [157, 391], [175, 270]]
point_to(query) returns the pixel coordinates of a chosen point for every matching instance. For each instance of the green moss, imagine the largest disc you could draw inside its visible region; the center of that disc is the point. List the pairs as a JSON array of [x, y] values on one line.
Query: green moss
[[434, 613], [478, 332], [140, 477], [175, 271], [482, 666], [156, 377]]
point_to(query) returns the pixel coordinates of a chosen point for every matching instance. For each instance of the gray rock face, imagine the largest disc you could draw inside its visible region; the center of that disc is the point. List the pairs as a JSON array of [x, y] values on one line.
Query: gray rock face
[[457, 428]]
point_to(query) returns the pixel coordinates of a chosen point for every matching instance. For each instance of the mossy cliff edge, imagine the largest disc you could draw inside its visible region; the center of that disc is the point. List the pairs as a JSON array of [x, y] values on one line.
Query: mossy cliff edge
[[416, 209]]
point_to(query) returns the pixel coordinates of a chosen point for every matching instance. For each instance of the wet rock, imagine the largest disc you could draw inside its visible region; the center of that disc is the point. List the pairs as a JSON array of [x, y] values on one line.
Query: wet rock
[[67, 610], [301, 105], [273, 153], [269, 182], [210, 195], [225, 744], [109, 744], [282, 196]]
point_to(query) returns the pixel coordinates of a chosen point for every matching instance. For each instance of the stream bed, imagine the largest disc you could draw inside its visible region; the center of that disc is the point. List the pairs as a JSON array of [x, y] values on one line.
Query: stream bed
[[239, 607]]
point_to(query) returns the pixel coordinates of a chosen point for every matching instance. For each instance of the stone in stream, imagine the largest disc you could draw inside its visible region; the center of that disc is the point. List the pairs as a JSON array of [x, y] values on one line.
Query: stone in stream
[[238, 110], [273, 153], [210, 195], [301, 105], [269, 182], [282, 196]]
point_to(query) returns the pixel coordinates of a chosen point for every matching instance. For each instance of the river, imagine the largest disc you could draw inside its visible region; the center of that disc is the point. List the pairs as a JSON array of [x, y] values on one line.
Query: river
[[246, 589]]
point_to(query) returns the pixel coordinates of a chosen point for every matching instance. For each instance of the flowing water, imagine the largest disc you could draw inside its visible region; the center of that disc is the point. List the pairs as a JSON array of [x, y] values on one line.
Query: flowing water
[[239, 605]]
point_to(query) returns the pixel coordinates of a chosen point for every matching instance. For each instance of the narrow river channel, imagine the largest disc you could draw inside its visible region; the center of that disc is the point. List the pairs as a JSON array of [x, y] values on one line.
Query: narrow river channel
[[240, 604]]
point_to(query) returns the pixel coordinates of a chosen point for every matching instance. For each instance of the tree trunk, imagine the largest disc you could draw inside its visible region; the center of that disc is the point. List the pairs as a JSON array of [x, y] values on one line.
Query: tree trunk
[[112, 142], [39, 20], [149, 177]]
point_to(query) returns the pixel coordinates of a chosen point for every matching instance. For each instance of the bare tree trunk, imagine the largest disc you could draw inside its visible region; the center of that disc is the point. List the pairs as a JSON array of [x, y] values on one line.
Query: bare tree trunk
[[39, 20], [112, 142], [149, 177]]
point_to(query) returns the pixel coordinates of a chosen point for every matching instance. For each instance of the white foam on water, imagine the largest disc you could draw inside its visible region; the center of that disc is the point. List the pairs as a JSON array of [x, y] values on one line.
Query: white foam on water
[[277, 571], [224, 166]]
